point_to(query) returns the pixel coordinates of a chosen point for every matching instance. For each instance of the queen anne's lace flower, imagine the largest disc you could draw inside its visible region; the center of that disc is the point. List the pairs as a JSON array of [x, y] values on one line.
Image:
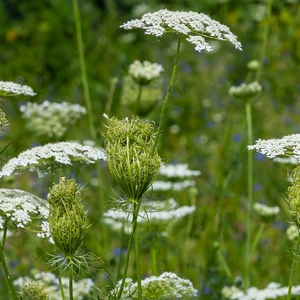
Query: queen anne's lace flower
[[286, 146], [245, 91], [272, 291], [50, 281], [177, 171], [192, 25], [153, 212], [160, 185], [18, 206], [41, 158], [50, 118], [144, 72], [167, 285], [267, 213], [8, 88]]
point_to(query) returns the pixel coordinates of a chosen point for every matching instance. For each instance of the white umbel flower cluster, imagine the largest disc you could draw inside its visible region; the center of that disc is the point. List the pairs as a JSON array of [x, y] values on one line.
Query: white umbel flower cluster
[[286, 146], [167, 285], [245, 91], [9, 88], [272, 291], [41, 158], [177, 171], [18, 207], [160, 185], [152, 212], [144, 72], [195, 27], [50, 118], [50, 281], [266, 211]]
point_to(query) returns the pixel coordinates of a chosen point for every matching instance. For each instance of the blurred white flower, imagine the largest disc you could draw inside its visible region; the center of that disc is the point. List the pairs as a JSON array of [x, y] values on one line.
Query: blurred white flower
[[167, 285], [195, 27], [272, 291], [267, 213], [50, 281], [50, 118], [8, 88], [41, 158], [159, 185], [144, 72], [177, 171], [18, 207], [286, 146], [245, 91]]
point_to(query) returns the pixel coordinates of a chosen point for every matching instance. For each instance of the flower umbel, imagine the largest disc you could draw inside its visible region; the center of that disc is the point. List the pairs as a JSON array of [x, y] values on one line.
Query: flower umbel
[[266, 213], [8, 88], [50, 118], [286, 146], [195, 27], [167, 285], [144, 72], [245, 91], [130, 158], [42, 158]]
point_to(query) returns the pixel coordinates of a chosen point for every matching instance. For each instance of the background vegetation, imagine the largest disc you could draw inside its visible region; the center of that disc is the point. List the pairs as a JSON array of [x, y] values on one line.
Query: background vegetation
[[39, 49]]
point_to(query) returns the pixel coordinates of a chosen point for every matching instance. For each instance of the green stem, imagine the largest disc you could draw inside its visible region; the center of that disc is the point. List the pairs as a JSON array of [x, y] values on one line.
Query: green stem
[[162, 113], [258, 236], [224, 264], [132, 237], [61, 287], [83, 70], [120, 258], [4, 265], [138, 99], [137, 262], [293, 269], [71, 281], [265, 40], [250, 195], [154, 261]]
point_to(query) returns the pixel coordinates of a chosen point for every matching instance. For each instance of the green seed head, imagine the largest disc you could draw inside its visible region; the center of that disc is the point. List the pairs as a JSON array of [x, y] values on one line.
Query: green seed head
[[33, 291], [131, 160], [294, 196]]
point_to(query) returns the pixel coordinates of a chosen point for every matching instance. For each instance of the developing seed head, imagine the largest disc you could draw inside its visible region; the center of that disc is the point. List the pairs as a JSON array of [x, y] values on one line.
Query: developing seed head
[[294, 196], [64, 195], [67, 218], [33, 291], [3, 120], [131, 160]]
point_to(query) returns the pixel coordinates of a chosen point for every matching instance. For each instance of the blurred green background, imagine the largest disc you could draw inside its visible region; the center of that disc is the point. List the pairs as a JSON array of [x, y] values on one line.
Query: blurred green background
[[38, 48]]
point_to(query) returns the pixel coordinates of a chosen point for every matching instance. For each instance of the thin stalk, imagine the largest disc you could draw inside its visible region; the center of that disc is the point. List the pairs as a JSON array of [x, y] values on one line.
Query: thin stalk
[[250, 195], [120, 259], [258, 236], [224, 264], [113, 84], [71, 281], [265, 40], [4, 265], [293, 269], [138, 99], [61, 287], [132, 236], [162, 113], [154, 261], [83, 70], [137, 262]]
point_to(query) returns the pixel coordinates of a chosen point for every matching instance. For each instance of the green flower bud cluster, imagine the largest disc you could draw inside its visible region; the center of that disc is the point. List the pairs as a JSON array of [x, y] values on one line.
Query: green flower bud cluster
[[245, 91], [33, 291], [67, 217], [3, 120], [130, 155], [293, 196]]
